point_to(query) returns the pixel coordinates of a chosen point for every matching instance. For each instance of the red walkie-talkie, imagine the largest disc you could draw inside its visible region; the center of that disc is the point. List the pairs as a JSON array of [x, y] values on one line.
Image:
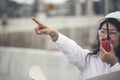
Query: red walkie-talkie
[[106, 42]]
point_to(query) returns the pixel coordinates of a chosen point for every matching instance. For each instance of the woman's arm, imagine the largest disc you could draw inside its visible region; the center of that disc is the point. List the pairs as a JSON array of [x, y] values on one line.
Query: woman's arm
[[70, 48]]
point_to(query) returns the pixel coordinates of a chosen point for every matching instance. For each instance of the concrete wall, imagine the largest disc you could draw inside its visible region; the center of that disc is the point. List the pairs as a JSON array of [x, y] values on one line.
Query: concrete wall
[[15, 64], [20, 32], [84, 36]]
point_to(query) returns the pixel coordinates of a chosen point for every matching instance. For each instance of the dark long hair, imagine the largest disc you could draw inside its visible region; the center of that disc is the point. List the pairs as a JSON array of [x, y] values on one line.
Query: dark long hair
[[114, 22]]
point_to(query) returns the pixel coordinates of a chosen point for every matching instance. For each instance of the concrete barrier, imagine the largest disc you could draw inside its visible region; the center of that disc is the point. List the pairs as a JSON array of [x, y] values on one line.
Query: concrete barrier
[[15, 64]]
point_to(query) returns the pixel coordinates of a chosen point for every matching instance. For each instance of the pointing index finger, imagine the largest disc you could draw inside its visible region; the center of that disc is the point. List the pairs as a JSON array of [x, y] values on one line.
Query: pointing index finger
[[36, 21]]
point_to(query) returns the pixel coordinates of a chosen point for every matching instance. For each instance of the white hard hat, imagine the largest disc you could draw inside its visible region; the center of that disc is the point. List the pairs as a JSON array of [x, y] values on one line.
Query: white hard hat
[[115, 15]]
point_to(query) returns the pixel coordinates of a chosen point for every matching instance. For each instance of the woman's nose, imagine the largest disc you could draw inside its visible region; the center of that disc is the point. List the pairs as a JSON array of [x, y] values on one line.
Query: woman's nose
[[105, 36]]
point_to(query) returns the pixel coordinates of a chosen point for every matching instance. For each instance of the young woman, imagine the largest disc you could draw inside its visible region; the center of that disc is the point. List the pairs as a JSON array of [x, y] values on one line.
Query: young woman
[[91, 63]]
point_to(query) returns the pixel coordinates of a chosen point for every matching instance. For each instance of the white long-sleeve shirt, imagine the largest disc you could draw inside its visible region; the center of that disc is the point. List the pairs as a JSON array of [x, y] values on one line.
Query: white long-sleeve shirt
[[94, 66]]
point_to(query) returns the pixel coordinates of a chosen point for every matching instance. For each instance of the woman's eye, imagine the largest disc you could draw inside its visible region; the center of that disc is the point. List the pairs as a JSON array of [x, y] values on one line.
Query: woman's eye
[[113, 33], [103, 32]]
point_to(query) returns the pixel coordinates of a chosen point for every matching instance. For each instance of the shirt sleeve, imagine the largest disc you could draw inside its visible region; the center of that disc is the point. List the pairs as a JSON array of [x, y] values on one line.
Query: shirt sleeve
[[72, 50], [115, 67]]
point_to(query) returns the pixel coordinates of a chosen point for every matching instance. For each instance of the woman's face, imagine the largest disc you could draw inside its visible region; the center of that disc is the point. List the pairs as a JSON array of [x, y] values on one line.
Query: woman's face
[[114, 34]]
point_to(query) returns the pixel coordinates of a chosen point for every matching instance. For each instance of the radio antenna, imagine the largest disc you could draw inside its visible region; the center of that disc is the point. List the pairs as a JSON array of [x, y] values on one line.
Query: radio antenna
[[108, 35]]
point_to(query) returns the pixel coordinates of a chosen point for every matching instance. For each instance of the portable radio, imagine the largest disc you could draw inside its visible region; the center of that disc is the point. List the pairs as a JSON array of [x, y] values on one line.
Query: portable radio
[[106, 42]]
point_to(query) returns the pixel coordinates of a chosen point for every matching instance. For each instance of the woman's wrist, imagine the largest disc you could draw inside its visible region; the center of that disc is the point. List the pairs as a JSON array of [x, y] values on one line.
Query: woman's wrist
[[113, 62], [54, 35]]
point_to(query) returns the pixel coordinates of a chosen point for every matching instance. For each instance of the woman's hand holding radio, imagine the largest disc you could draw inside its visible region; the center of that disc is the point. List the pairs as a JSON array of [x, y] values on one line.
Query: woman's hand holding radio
[[108, 57]]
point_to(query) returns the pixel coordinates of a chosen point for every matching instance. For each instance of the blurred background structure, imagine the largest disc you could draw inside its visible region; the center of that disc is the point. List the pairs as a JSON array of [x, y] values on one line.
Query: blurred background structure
[[21, 47]]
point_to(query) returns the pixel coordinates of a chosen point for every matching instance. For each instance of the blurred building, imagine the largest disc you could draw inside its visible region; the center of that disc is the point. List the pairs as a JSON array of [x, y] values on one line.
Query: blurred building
[[41, 6], [3, 6], [86, 7], [14, 9], [70, 7]]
